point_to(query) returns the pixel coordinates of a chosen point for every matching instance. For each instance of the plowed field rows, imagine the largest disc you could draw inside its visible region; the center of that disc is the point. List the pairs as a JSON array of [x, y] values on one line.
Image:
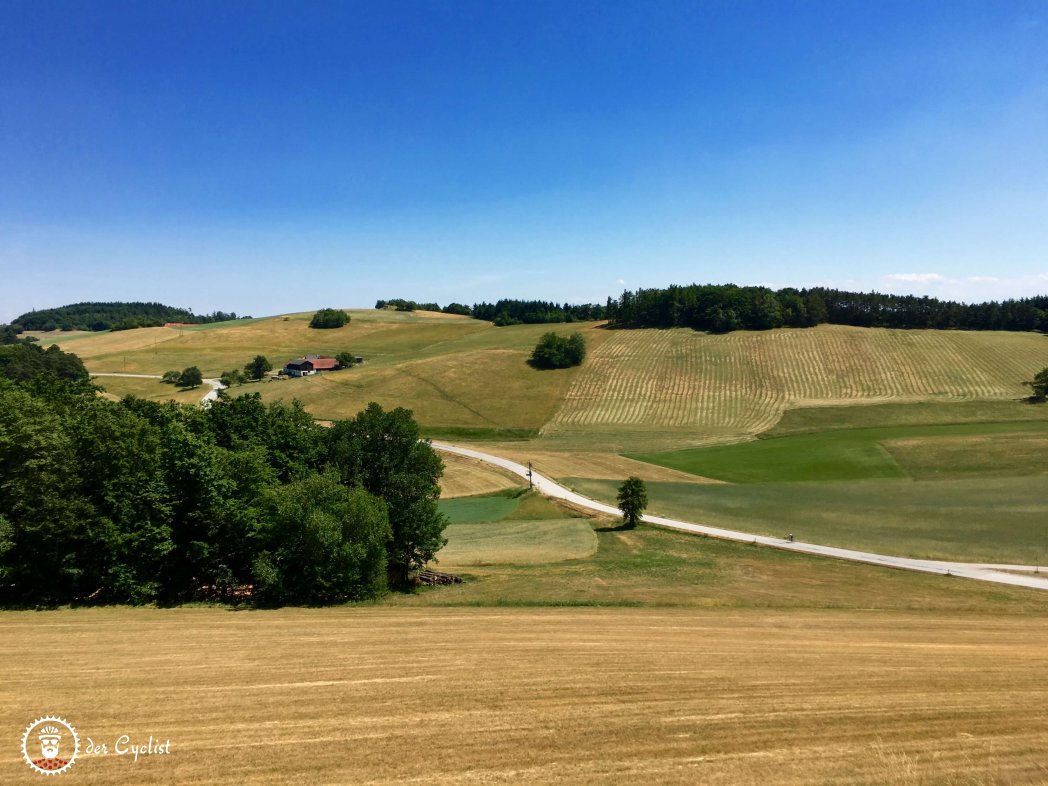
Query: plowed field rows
[[704, 388]]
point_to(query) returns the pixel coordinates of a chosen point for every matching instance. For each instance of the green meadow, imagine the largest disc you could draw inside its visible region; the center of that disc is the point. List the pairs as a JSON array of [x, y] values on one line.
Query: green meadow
[[859, 454]]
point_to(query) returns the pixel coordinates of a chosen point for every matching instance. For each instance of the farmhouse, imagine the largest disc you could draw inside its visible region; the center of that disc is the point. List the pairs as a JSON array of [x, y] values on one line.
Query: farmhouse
[[310, 364]]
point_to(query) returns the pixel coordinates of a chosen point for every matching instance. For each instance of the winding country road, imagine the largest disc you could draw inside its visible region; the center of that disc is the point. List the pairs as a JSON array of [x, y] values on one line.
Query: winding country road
[[211, 395], [1017, 575]]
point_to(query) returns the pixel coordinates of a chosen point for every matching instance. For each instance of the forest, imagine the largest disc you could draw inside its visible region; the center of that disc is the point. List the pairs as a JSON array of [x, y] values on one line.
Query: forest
[[113, 316], [138, 502], [723, 308]]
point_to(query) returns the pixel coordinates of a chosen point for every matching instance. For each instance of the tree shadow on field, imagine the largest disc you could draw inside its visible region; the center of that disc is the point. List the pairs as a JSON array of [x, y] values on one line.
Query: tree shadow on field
[[623, 527]]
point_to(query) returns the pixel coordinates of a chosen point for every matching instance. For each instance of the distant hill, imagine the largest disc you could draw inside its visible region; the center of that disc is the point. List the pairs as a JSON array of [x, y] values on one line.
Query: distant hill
[[113, 316], [638, 390]]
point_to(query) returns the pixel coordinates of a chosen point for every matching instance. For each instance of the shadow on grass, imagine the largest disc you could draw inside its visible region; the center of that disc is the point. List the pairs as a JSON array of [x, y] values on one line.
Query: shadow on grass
[[623, 527]]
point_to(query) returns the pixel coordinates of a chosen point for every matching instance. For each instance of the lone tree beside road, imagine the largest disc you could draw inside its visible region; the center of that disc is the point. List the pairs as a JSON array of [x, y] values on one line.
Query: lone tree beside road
[[191, 378], [258, 367], [1039, 385], [633, 498]]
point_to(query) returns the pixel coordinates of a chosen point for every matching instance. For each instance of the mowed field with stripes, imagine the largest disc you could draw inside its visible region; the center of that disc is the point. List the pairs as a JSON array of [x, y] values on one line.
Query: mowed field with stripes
[[638, 390], [666, 387]]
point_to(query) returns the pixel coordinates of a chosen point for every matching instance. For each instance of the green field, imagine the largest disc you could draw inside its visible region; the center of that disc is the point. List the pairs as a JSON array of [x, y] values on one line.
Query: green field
[[997, 520], [858, 454], [516, 542], [512, 528]]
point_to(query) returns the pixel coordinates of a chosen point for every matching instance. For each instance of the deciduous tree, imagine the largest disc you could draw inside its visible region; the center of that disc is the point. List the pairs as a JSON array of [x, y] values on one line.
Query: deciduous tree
[[258, 367], [191, 378], [1039, 385]]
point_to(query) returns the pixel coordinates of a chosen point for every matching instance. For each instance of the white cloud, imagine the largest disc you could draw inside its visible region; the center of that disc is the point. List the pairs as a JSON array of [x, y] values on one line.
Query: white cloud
[[983, 279], [914, 278]]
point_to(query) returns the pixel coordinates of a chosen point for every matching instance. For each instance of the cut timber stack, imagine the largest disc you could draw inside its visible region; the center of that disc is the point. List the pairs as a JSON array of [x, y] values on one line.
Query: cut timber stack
[[436, 577]]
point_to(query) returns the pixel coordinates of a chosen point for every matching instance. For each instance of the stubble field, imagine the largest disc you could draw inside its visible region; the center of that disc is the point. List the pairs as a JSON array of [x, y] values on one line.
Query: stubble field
[[579, 696], [651, 389]]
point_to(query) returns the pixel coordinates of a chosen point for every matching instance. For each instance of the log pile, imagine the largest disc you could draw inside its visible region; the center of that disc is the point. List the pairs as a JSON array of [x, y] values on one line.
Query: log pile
[[432, 577]]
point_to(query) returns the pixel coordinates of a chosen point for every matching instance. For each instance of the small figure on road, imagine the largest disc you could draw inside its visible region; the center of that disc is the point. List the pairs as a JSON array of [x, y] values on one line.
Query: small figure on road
[[789, 537]]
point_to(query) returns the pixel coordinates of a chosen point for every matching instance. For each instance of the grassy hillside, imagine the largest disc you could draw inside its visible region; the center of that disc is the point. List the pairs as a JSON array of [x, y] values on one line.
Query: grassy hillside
[[656, 388], [638, 389], [459, 375], [151, 389]]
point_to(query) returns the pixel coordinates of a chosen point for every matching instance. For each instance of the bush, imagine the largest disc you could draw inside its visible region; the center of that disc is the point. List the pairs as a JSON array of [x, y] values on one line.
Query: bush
[[234, 377], [328, 318], [555, 351], [324, 543]]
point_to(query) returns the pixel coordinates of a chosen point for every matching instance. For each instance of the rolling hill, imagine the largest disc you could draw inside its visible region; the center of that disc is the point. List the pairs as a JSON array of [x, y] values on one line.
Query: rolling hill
[[642, 389]]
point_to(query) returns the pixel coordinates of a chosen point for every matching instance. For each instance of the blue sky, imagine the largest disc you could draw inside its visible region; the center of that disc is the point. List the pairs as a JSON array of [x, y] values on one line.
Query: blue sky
[[266, 157]]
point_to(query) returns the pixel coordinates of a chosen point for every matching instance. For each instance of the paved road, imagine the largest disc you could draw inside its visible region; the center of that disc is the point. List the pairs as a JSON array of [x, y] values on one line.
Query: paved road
[[1018, 575], [211, 395]]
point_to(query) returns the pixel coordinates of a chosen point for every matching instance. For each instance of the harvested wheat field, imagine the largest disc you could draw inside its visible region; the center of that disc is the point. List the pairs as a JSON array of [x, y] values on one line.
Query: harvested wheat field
[[678, 386], [466, 477], [579, 696]]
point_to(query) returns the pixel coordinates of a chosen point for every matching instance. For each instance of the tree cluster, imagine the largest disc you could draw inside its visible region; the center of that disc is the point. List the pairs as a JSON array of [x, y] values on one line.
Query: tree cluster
[[723, 308], [114, 316], [328, 318], [23, 362], [507, 312], [400, 304], [138, 502], [535, 312], [190, 377], [555, 351]]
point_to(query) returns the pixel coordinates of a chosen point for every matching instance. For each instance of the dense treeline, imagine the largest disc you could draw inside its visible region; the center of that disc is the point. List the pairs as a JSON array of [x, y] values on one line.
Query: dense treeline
[[533, 312], [136, 502], [506, 312], [113, 316], [722, 308]]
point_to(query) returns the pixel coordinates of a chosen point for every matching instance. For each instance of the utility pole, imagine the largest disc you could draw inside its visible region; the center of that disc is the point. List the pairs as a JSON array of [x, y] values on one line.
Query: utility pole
[[530, 484]]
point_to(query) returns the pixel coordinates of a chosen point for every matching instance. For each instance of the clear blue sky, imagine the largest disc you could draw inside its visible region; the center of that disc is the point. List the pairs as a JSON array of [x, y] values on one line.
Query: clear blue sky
[[266, 157]]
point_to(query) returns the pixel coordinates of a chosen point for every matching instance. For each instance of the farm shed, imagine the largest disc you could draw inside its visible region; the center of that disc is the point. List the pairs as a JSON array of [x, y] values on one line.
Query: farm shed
[[310, 364]]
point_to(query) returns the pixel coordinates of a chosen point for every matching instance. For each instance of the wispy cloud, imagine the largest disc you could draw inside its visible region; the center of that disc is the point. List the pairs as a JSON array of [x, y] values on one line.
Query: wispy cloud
[[914, 278]]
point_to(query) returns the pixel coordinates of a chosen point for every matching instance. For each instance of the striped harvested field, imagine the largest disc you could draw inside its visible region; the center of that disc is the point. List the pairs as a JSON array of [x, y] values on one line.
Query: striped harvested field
[[694, 388], [466, 477]]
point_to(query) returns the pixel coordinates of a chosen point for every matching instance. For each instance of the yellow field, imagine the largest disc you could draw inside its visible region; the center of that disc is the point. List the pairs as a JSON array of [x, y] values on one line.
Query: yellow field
[[465, 477], [451, 371], [603, 466], [573, 696], [150, 389], [678, 386]]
